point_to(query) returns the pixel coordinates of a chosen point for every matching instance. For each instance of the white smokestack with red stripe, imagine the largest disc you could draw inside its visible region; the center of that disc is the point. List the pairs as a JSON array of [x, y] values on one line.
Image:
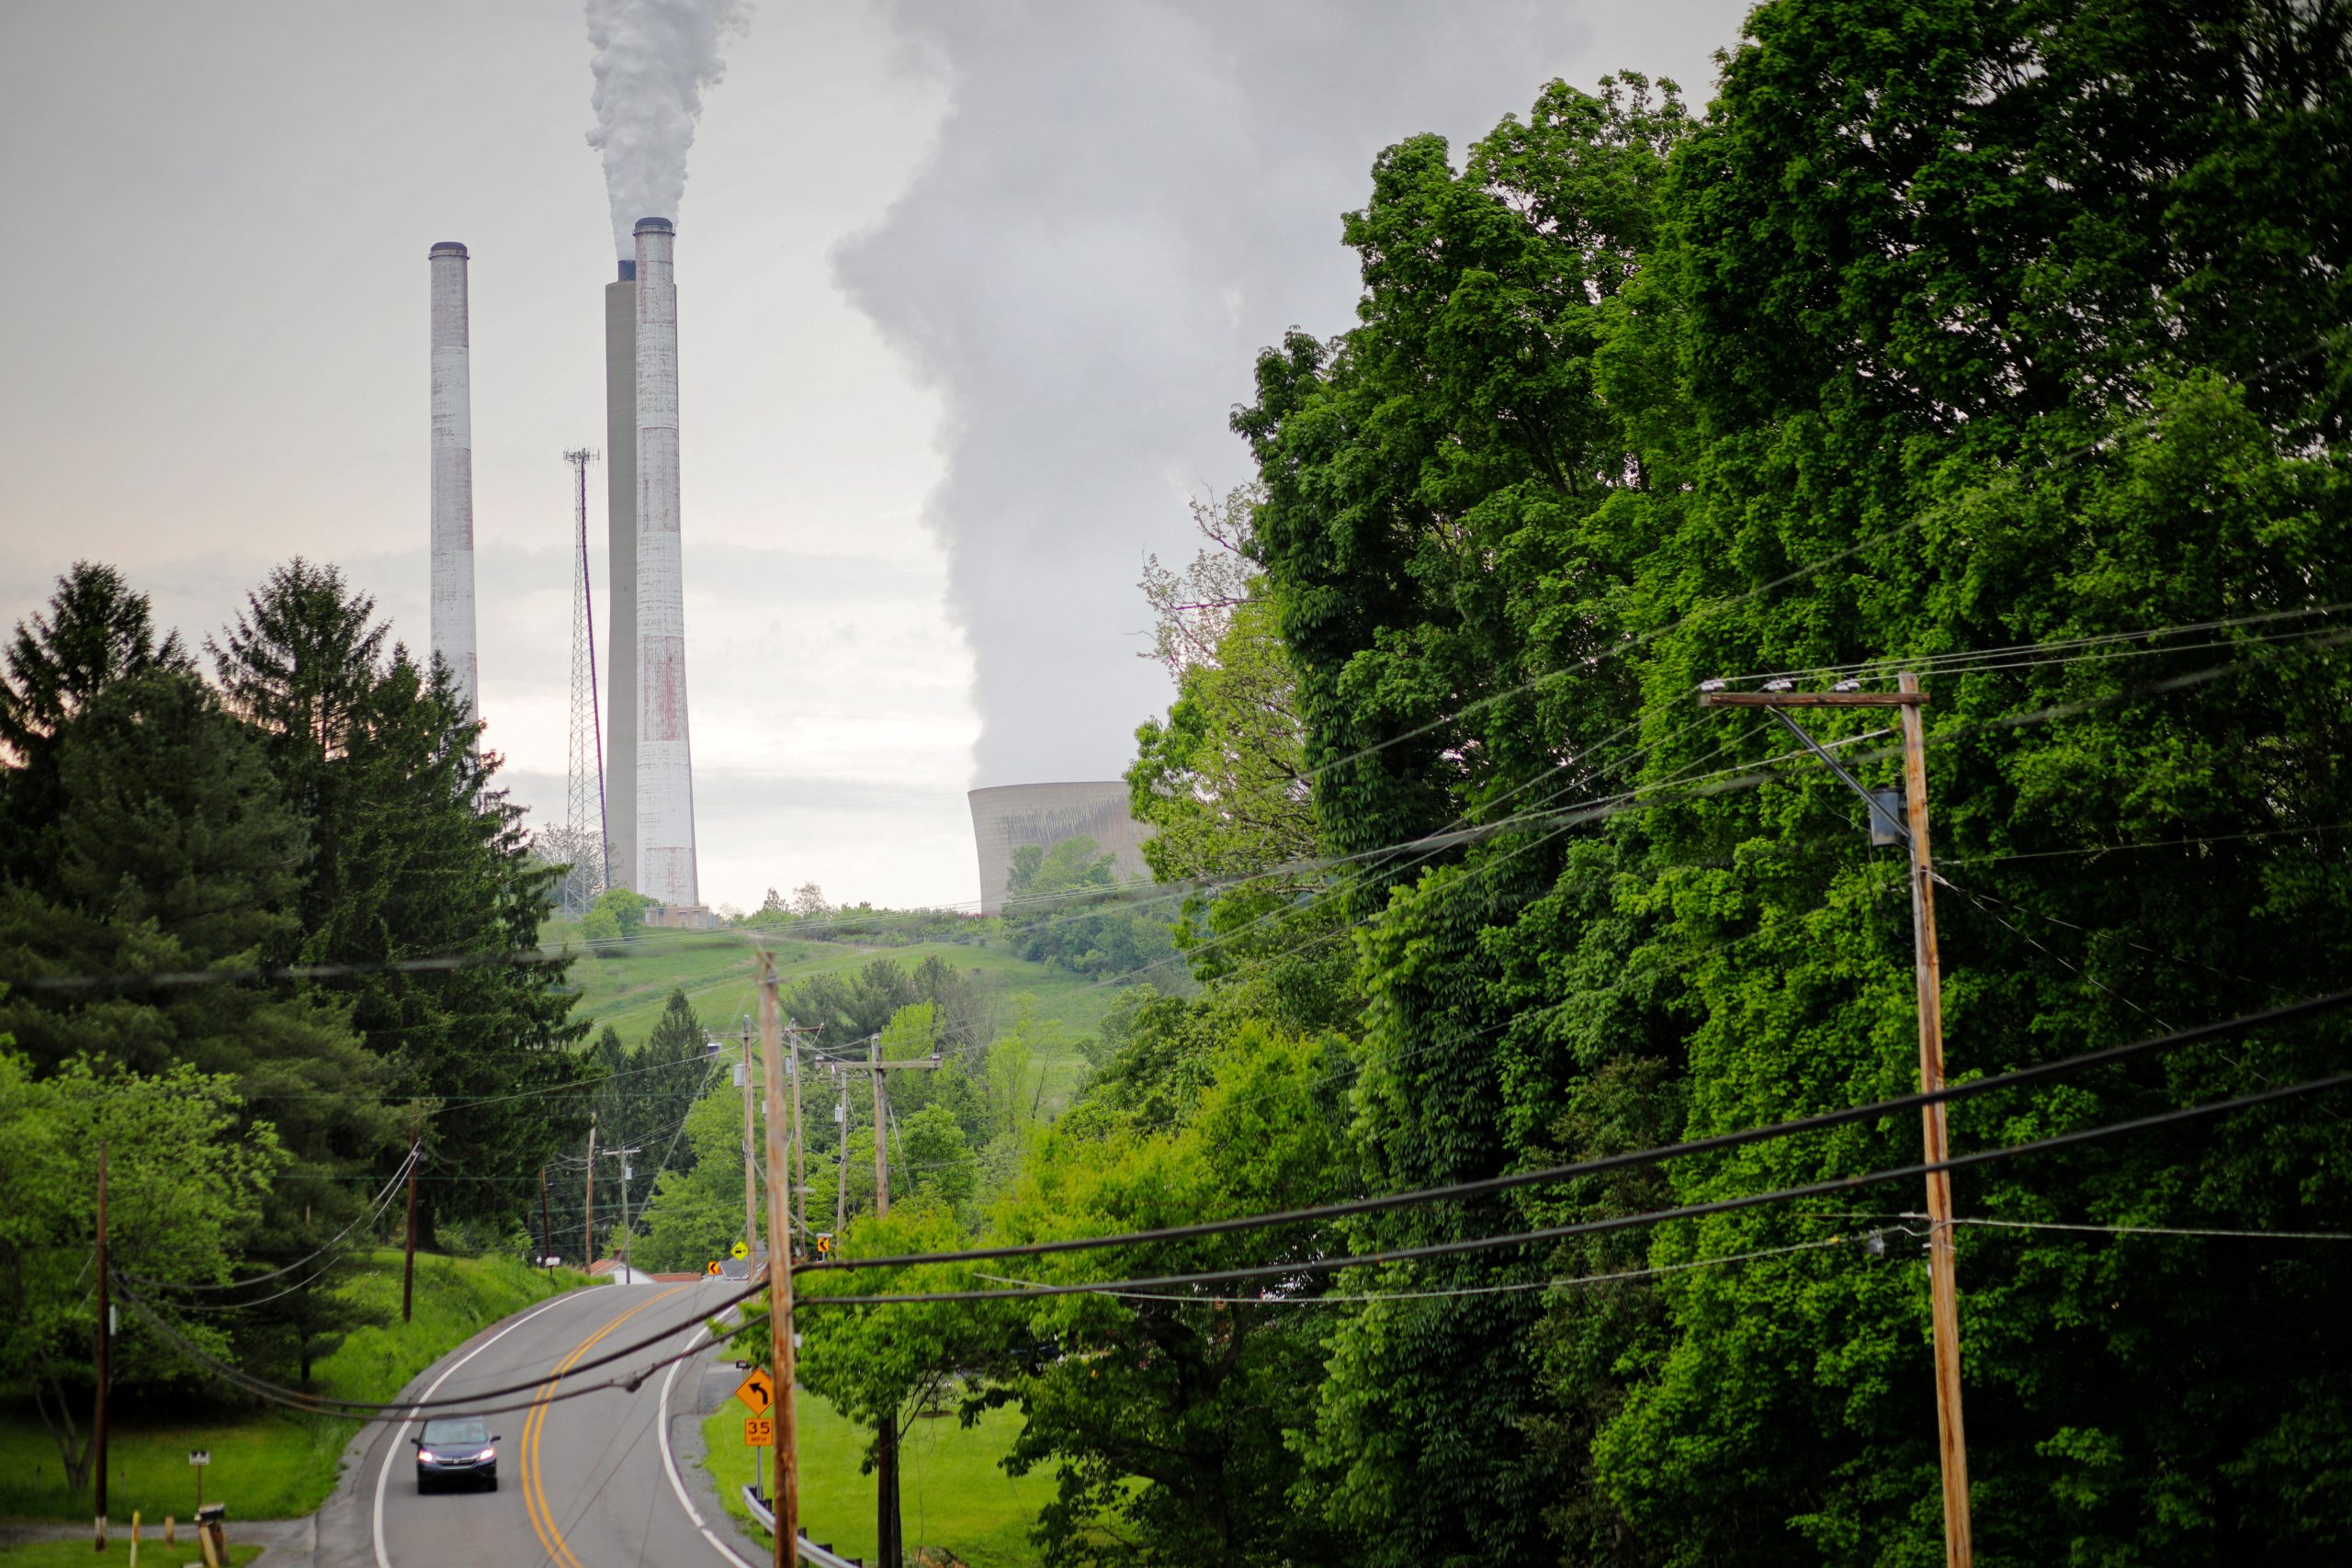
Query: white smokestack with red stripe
[[452, 627], [665, 774]]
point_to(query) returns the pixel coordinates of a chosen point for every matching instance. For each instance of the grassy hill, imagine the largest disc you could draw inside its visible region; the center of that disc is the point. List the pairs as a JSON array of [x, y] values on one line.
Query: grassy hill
[[716, 971]]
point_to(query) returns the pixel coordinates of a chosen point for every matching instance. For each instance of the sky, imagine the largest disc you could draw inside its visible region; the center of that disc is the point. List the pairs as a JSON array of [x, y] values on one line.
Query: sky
[[967, 289]]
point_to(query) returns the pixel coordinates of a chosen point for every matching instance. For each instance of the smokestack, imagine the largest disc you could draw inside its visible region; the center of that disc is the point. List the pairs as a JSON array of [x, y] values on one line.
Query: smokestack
[[665, 774], [620, 600], [453, 476]]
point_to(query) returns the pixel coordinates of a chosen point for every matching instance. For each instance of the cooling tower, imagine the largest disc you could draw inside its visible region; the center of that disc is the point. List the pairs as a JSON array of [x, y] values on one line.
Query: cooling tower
[[1007, 817], [621, 595], [665, 774], [452, 627]]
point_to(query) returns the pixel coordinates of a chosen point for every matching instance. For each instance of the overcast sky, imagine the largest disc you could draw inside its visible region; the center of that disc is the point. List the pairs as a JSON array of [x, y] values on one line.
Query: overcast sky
[[967, 291]]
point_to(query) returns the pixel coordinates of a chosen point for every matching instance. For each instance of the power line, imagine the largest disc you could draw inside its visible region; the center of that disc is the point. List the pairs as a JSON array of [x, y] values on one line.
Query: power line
[[1565, 1282], [1589, 1227], [2016, 1077]]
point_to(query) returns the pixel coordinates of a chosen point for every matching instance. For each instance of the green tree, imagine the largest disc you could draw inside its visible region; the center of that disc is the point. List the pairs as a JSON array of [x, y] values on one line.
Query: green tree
[[1063, 907], [421, 888], [1953, 327], [617, 913], [187, 1178], [95, 631], [694, 1211]]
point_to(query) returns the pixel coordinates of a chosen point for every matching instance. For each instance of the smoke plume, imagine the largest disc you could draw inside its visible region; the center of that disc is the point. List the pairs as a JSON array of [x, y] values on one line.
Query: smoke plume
[[1128, 199], [653, 58]]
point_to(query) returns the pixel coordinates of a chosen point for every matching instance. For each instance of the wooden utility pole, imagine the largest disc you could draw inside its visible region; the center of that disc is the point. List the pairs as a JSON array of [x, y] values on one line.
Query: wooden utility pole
[[622, 1155], [886, 1434], [408, 1259], [105, 1354], [799, 1143], [751, 1161], [788, 1463], [547, 1221], [878, 1068], [1943, 1287], [588, 1203], [1943, 1279], [841, 1154]]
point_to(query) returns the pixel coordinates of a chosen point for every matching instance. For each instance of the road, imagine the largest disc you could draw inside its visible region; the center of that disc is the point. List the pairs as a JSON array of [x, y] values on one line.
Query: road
[[584, 1482]]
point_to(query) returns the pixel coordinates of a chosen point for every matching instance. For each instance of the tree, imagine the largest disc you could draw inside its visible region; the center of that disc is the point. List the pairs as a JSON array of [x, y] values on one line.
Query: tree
[[1953, 328], [421, 891], [173, 852], [617, 913], [95, 632], [1061, 908], [694, 1211], [1165, 1420], [187, 1179]]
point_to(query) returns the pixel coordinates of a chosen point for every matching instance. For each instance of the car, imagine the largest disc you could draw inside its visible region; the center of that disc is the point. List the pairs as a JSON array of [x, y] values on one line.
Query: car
[[456, 1447]]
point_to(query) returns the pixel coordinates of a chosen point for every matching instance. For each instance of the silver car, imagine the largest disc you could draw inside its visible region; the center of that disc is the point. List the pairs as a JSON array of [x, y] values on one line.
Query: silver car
[[457, 1447]]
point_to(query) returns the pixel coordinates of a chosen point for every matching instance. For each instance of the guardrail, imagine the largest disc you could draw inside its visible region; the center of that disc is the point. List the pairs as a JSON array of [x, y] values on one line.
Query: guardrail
[[822, 1556]]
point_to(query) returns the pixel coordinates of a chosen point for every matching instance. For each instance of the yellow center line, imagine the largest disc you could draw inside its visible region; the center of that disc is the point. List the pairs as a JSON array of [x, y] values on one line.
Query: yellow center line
[[535, 1499]]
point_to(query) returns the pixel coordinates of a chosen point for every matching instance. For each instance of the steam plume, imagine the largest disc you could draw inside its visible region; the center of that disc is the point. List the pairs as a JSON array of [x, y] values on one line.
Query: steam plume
[[653, 58]]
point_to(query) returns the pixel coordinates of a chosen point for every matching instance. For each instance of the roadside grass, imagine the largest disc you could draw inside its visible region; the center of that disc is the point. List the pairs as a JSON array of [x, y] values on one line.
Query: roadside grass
[[629, 992], [153, 1553], [952, 1494], [270, 1463]]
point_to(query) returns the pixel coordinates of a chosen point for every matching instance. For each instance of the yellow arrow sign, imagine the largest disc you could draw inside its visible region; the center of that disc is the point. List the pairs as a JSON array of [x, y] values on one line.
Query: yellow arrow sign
[[758, 1390]]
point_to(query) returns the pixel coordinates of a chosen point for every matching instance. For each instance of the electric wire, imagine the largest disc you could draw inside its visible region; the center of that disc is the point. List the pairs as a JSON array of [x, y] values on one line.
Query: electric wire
[[1598, 1227], [1502, 1288], [1632, 1159], [378, 1204], [1882, 1108]]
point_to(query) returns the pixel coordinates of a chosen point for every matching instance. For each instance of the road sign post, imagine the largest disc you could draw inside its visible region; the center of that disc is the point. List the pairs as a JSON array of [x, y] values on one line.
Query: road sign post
[[197, 1459]]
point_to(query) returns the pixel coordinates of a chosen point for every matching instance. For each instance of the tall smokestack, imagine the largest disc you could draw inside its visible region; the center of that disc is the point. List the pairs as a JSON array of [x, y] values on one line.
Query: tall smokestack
[[665, 774], [453, 476], [620, 599]]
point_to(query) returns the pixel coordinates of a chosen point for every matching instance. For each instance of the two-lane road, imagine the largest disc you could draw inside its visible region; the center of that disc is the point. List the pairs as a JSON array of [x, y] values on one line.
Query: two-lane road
[[584, 1482]]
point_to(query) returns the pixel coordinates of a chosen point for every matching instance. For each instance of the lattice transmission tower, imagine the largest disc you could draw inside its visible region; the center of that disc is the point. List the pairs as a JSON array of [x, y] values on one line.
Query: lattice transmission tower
[[585, 842]]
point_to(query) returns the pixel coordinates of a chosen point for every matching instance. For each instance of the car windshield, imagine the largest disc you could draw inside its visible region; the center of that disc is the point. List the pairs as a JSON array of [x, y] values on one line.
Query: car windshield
[[458, 1431]]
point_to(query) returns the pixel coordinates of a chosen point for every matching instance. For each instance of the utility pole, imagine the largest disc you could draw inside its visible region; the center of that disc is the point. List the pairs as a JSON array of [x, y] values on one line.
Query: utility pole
[[841, 1154], [408, 1260], [1928, 974], [588, 1202], [622, 1155], [750, 1164], [877, 1067], [885, 1447], [787, 1426], [547, 1221], [799, 1142], [105, 1355]]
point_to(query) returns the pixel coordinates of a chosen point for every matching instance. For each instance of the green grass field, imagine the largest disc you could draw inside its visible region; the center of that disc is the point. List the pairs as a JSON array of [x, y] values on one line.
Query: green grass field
[[271, 1465], [951, 1493], [715, 970], [153, 1553]]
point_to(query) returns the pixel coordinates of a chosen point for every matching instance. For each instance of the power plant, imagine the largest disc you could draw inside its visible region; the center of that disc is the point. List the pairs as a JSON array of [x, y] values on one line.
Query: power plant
[[1006, 818], [452, 622]]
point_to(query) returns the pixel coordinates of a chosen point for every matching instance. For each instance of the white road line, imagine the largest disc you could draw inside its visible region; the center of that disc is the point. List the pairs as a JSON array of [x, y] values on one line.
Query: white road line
[[670, 1464], [384, 1476]]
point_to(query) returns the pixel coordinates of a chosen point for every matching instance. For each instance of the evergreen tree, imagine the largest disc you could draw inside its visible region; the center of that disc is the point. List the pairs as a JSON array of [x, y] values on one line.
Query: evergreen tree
[[420, 883]]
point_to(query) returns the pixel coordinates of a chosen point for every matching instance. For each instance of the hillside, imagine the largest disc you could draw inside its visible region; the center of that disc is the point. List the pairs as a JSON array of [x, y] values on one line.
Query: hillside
[[716, 971]]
